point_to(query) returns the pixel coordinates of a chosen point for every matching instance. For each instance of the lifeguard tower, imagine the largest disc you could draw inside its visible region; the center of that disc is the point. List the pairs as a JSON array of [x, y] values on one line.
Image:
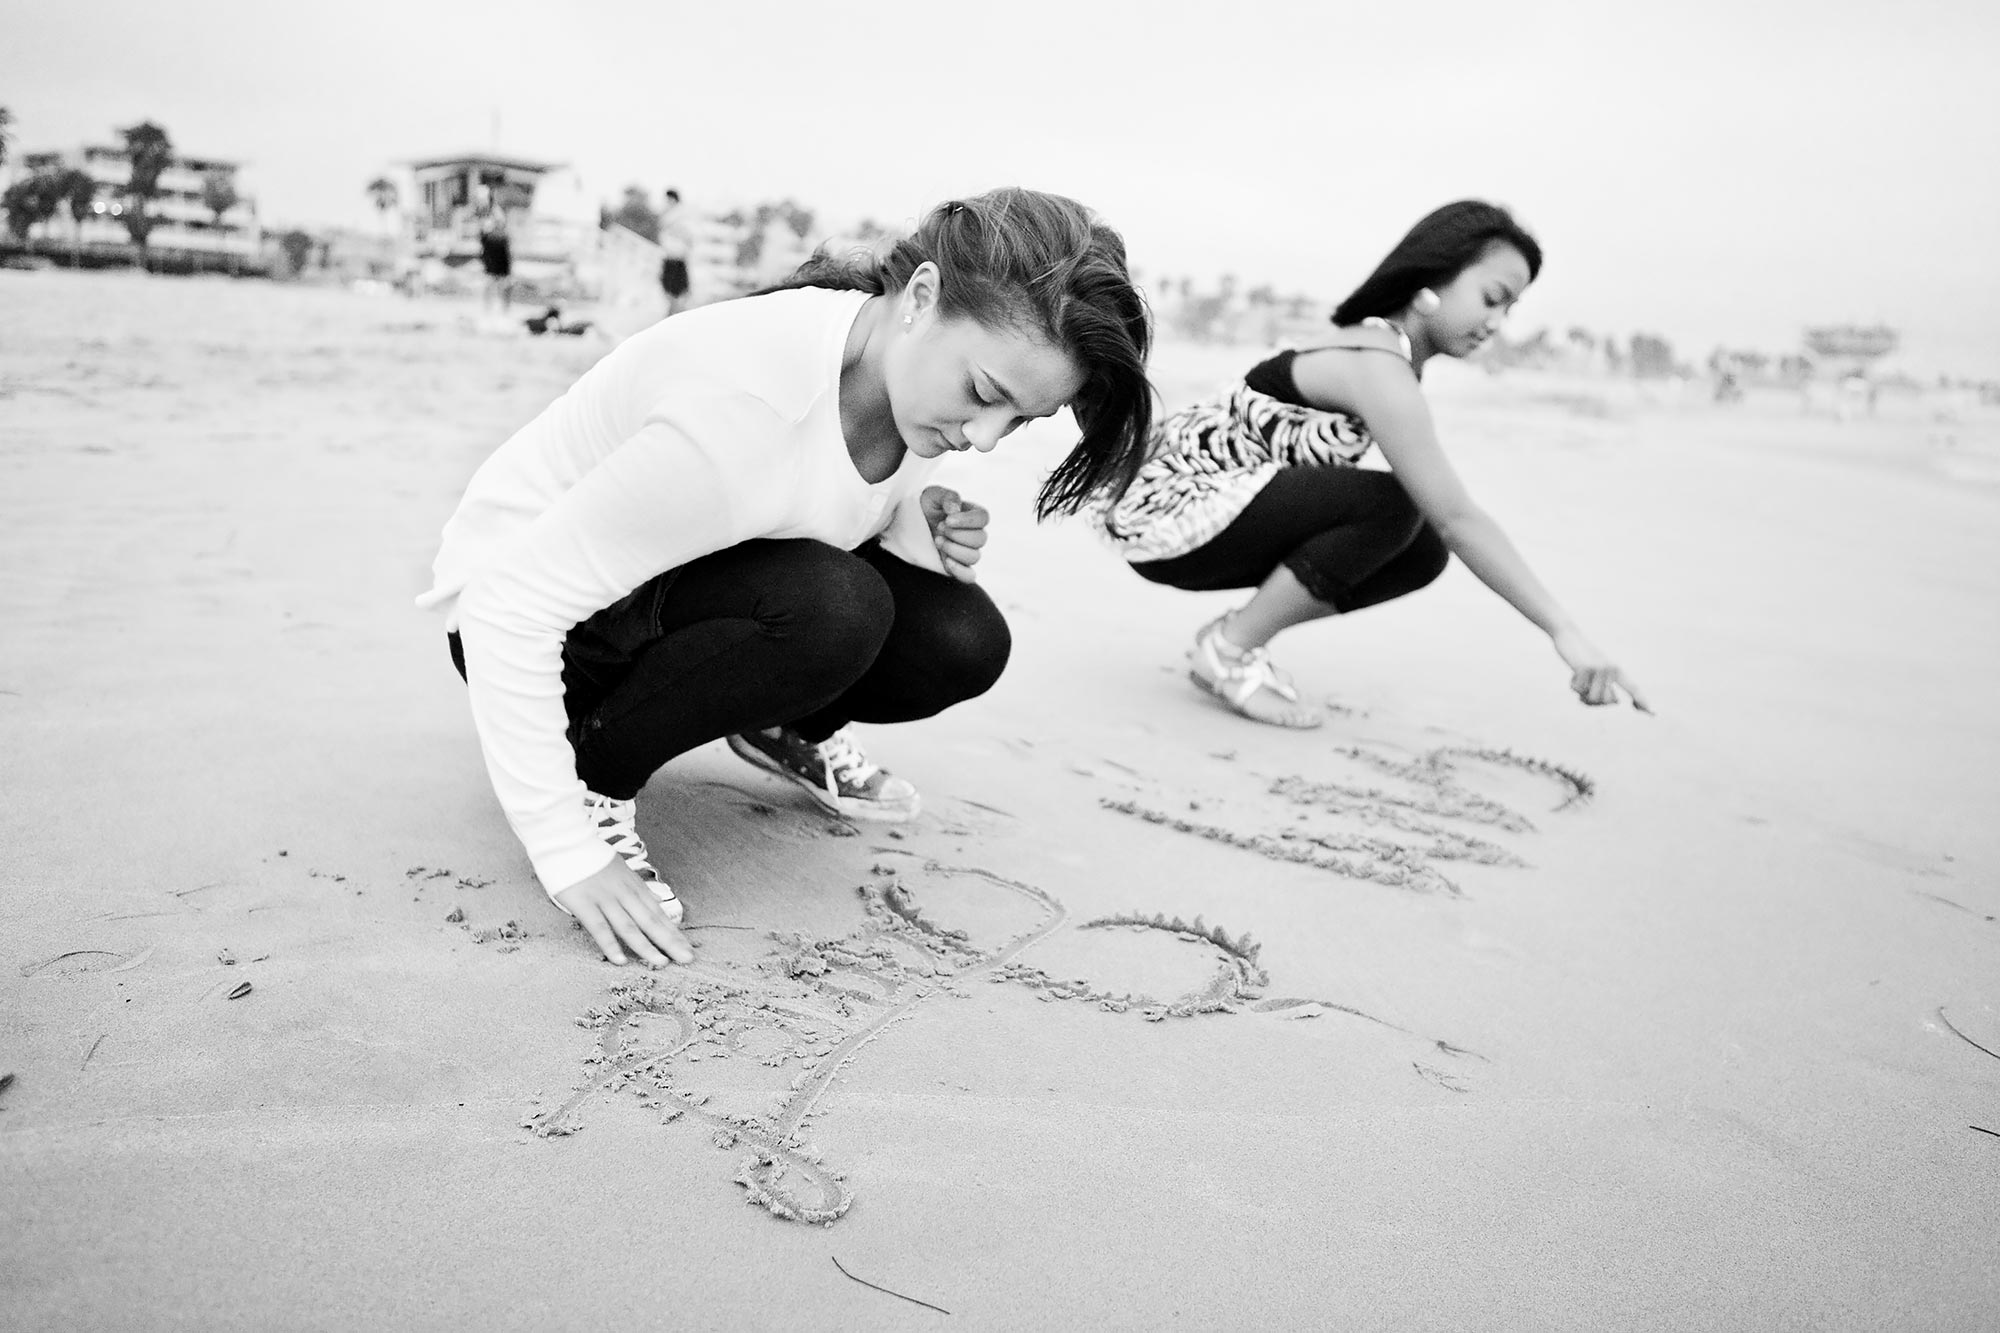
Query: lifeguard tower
[[456, 196]]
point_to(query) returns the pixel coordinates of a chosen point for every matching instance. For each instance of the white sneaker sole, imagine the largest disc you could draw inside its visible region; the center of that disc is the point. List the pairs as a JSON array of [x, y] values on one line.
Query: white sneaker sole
[[875, 812], [669, 903]]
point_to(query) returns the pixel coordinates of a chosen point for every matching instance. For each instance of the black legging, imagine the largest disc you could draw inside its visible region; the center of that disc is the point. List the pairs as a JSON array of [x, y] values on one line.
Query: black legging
[[769, 633], [1352, 536]]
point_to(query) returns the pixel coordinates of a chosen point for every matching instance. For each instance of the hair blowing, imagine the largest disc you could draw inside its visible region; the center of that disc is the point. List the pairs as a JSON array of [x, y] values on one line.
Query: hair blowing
[[1436, 250], [1021, 259]]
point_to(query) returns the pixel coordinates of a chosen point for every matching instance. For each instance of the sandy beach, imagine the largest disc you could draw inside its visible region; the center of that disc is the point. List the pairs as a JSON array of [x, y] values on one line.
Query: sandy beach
[[1473, 1009]]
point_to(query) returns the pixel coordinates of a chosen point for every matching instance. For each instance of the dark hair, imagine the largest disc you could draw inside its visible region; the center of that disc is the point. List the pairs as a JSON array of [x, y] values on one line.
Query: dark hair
[[1439, 248], [1015, 258]]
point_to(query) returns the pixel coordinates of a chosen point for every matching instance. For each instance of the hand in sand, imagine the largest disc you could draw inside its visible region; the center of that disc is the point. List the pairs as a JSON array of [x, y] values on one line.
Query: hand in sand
[[1595, 677], [614, 904], [958, 527]]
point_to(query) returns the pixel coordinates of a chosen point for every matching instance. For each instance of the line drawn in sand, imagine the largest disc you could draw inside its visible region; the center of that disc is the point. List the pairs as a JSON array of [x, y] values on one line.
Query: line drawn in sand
[[809, 1007], [1434, 789]]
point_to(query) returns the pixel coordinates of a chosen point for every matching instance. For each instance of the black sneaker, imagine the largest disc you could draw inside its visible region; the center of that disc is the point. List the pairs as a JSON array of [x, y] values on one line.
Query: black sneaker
[[835, 771]]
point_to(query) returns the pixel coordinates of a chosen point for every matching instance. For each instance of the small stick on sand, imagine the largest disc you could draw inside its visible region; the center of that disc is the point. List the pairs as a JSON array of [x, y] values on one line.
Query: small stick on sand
[[1961, 1036], [885, 1291], [1984, 1130]]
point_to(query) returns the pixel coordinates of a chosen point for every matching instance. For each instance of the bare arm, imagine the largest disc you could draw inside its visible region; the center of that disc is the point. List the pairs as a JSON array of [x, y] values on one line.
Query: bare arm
[[1381, 391]]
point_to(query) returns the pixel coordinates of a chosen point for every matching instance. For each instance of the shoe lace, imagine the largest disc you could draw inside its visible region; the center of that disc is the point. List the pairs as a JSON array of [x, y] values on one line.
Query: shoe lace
[[616, 824], [845, 760]]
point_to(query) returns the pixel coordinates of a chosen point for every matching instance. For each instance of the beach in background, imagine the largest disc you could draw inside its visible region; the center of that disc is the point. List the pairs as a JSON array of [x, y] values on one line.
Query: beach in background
[[1474, 1008]]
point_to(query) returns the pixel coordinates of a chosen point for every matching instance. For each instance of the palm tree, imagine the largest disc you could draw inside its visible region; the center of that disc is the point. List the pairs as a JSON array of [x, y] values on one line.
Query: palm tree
[[635, 214], [30, 201], [22, 205], [77, 189], [218, 196], [151, 152], [797, 217], [218, 192]]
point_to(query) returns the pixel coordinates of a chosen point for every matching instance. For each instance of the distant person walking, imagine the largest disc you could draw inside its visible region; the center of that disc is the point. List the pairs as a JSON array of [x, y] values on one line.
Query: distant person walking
[[727, 528], [676, 245], [1258, 488], [496, 256]]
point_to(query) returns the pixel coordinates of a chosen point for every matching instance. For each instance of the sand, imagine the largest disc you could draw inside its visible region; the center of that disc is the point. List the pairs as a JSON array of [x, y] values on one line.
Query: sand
[[1475, 1008]]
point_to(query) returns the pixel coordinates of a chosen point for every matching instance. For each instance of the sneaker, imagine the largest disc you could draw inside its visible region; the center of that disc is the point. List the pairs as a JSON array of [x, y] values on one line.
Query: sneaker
[[615, 824], [1246, 680], [835, 771]]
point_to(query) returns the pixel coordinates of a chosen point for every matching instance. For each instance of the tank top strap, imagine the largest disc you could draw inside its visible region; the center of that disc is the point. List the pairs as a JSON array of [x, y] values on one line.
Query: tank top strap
[[1401, 349], [1402, 338]]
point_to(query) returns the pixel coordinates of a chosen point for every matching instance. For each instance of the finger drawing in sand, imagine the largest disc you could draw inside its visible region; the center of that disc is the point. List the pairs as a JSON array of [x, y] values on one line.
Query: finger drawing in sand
[[1259, 487], [727, 528]]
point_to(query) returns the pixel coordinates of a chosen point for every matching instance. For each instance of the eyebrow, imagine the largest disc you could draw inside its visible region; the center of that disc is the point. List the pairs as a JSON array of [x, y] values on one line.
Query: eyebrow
[[1008, 394], [998, 387]]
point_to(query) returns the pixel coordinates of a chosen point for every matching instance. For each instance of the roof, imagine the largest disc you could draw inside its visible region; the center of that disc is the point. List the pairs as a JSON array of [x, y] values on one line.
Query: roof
[[484, 160], [95, 152]]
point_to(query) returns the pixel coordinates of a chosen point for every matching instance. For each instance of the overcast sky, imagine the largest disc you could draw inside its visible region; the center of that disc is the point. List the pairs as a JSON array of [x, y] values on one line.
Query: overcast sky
[[1713, 170]]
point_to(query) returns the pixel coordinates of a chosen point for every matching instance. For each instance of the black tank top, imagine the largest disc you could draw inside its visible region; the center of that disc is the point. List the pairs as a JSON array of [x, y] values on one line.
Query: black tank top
[[1273, 377]]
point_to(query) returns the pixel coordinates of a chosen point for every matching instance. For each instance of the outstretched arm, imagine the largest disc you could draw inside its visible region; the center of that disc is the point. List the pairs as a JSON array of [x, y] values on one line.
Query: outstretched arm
[[1383, 394]]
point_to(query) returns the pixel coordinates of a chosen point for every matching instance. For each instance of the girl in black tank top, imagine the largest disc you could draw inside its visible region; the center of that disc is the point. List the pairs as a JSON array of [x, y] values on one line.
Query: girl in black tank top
[[1259, 488]]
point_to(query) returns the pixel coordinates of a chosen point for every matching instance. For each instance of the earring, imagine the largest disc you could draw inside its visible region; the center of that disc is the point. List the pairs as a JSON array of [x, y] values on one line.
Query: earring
[[1425, 302], [906, 319]]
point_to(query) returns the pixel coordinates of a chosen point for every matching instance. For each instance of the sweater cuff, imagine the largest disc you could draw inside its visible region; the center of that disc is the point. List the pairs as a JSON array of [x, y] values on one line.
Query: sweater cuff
[[908, 536]]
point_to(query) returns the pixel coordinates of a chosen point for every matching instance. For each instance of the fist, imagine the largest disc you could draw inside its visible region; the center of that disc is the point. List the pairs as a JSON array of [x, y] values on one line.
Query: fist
[[958, 529]]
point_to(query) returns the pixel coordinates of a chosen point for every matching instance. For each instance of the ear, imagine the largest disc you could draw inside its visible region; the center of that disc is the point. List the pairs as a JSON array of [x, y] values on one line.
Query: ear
[[920, 293], [1425, 301]]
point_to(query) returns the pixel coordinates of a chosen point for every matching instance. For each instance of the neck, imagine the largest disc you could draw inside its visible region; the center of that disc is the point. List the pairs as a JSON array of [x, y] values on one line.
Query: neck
[[867, 422], [1412, 327]]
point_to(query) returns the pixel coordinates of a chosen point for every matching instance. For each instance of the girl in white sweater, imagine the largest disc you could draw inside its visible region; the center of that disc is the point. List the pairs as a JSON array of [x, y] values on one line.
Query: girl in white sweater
[[724, 529]]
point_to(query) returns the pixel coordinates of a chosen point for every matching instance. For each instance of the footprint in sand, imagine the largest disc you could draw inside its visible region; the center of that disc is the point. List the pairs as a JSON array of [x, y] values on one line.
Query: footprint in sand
[[749, 1048]]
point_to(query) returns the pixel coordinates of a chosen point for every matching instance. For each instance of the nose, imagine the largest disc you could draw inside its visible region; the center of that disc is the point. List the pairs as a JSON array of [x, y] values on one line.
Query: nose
[[984, 431]]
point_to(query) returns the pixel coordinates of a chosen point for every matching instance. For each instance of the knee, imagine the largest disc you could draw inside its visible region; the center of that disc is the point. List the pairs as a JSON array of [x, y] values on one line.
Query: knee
[[1398, 515], [828, 600], [968, 648], [1428, 555]]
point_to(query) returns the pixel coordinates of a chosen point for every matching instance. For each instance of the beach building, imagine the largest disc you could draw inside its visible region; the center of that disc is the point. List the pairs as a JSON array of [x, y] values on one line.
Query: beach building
[[1850, 349], [442, 203], [453, 196], [188, 230]]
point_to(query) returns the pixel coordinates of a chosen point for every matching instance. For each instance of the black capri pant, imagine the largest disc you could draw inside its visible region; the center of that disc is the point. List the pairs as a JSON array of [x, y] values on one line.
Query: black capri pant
[[1352, 536], [769, 633]]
